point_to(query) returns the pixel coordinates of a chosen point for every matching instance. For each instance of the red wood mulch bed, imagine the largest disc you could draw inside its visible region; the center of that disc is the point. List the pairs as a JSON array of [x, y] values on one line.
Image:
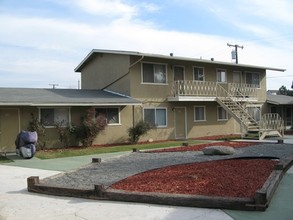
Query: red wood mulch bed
[[225, 178], [199, 147]]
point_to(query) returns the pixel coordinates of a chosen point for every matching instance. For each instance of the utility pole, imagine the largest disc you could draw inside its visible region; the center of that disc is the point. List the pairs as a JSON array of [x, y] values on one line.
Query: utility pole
[[236, 52], [54, 85]]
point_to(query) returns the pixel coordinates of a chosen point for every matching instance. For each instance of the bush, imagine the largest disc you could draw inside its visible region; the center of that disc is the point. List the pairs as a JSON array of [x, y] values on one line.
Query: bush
[[90, 126], [140, 129], [63, 132], [36, 125]]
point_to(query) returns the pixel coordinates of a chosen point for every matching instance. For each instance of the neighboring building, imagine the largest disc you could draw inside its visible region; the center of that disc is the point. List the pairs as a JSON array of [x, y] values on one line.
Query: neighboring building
[[180, 97], [273, 92], [283, 105]]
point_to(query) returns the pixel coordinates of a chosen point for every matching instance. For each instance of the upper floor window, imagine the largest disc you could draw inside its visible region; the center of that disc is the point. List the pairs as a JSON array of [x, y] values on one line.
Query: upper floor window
[[178, 73], [155, 116], [49, 117], [111, 114], [199, 113], [154, 73], [221, 75], [198, 73], [252, 78], [237, 77], [222, 114]]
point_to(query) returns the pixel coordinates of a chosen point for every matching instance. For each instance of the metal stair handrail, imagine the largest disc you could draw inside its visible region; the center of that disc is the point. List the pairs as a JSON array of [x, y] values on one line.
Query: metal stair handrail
[[224, 94]]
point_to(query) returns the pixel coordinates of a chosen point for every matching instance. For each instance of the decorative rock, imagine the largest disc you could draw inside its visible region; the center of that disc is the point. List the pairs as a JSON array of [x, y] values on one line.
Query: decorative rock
[[218, 150]]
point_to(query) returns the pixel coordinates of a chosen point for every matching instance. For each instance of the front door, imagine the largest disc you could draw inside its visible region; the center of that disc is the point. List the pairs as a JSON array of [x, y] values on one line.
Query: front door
[[9, 128], [237, 77], [180, 122]]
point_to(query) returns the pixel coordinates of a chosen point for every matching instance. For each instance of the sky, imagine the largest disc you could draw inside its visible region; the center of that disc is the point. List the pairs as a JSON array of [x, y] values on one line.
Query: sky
[[42, 41]]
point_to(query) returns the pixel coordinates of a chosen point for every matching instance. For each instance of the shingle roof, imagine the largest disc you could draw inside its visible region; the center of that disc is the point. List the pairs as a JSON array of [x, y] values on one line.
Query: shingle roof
[[62, 97], [92, 54], [280, 99]]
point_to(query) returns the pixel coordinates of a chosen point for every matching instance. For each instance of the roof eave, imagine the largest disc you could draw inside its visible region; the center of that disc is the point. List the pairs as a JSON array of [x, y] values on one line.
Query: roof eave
[[68, 104], [132, 53]]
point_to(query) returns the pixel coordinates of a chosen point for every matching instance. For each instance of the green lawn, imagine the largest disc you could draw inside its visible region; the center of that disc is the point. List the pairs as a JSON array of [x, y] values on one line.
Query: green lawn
[[102, 150], [4, 159]]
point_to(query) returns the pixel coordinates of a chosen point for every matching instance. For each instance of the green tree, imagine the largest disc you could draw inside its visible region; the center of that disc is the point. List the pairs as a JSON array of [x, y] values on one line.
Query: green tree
[[284, 91]]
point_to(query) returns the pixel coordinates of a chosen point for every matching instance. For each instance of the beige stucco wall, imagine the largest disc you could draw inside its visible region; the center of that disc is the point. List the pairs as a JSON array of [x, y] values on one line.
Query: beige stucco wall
[[156, 95], [209, 127], [111, 134], [117, 133], [148, 91], [104, 69]]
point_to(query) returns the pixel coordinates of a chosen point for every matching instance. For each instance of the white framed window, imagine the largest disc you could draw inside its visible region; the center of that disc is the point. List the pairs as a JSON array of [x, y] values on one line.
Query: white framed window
[[198, 73], [112, 115], [154, 73], [156, 117], [178, 73], [222, 114], [50, 116], [199, 113], [221, 75], [252, 78]]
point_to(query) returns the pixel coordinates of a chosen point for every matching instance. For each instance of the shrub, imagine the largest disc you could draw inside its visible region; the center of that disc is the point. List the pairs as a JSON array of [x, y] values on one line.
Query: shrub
[[63, 132], [89, 127], [140, 129], [36, 125]]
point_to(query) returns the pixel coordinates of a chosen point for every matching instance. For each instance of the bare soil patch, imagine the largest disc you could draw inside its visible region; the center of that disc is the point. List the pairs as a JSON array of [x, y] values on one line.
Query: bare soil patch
[[224, 178]]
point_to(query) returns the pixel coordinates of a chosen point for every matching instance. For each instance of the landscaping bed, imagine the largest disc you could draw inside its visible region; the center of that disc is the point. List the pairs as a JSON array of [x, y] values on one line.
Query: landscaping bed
[[245, 180], [225, 178]]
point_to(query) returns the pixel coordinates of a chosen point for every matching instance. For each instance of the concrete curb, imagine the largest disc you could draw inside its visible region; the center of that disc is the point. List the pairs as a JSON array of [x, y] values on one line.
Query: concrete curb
[[259, 202]]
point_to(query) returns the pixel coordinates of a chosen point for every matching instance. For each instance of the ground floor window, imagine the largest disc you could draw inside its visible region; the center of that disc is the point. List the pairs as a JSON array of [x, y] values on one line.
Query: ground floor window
[[199, 113], [156, 117], [111, 114], [51, 116], [254, 112], [222, 114]]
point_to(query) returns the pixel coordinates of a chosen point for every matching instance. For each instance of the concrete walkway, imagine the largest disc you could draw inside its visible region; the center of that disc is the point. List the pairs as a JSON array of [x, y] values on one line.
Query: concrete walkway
[[17, 203]]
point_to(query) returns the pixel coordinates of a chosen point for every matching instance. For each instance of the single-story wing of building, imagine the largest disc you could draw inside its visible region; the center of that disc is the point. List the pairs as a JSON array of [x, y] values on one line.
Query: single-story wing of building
[[19, 106]]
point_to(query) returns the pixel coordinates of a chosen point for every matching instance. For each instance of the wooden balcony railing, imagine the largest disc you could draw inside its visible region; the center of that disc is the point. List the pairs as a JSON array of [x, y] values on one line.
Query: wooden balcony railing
[[271, 124], [209, 89]]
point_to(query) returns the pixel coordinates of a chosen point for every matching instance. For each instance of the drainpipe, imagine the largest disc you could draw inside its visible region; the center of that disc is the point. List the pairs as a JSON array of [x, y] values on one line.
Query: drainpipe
[[136, 62]]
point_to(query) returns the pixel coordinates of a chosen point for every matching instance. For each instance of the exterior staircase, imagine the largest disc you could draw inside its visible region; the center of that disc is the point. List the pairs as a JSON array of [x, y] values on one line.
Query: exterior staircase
[[268, 126]]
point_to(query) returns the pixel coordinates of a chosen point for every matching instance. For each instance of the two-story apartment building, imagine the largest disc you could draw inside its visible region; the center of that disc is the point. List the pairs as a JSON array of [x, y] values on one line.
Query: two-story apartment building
[[181, 97]]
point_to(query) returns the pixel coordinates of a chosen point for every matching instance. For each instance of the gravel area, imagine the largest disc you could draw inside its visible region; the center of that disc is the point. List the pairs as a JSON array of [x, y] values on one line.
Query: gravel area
[[112, 170]]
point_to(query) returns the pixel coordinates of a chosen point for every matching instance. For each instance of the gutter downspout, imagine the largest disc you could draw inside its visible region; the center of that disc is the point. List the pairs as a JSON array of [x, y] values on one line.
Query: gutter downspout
[[136, 62]]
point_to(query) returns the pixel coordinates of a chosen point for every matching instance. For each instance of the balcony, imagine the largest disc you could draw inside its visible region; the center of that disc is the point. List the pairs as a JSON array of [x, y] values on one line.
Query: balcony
[[188, 90]]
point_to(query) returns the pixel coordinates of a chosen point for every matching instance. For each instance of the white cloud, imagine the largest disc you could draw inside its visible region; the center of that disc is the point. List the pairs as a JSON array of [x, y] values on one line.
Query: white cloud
[[271, 10], [44, 50], [109, 8]]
